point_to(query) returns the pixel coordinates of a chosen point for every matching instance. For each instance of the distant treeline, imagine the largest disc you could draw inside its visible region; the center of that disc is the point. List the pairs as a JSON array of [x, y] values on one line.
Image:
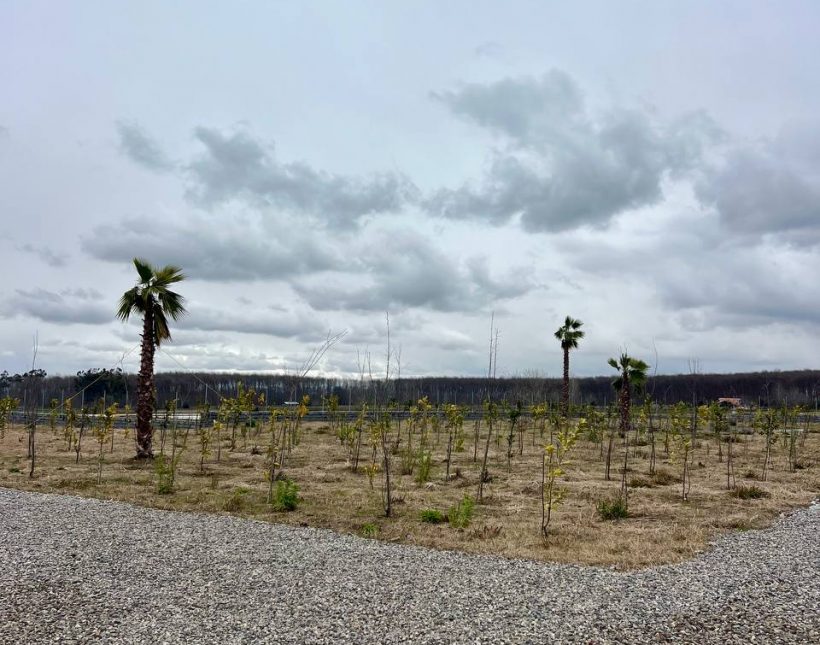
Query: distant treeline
[[757, 388]]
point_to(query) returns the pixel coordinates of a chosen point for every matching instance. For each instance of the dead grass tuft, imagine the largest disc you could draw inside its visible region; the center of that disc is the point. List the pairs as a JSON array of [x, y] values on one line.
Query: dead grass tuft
[[664, 478]]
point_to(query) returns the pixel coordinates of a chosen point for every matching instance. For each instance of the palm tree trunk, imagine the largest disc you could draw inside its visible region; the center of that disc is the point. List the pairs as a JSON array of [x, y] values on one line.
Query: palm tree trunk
[[626, 426], [145, 388], [565, 387], [626, 402]]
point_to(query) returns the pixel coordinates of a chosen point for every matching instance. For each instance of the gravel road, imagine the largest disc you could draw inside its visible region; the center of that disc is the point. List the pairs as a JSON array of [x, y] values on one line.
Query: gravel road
[[79, 570]]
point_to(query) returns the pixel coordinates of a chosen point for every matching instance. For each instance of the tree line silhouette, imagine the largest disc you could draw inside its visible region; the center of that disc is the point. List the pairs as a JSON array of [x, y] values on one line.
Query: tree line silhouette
[[799, 387]]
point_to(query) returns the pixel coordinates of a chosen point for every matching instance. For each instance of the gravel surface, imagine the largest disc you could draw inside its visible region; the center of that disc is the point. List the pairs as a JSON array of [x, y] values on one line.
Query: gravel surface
[[81, 570]]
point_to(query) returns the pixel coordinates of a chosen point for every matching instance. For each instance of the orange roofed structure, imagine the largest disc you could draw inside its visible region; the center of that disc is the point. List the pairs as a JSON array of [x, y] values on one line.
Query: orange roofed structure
[[730, 401]]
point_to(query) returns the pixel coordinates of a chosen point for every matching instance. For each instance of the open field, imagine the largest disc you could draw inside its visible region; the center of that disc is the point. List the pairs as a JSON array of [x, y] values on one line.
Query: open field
[[661, 527]]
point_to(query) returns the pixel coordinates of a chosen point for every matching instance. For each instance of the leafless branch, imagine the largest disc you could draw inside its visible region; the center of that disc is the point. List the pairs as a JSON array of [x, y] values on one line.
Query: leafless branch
[[317, 354]]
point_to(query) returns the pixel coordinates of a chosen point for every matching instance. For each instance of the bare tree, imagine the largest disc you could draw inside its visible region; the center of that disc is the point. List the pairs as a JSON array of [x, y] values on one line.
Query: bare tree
[[492, 327], [694, 372], [32, 378]]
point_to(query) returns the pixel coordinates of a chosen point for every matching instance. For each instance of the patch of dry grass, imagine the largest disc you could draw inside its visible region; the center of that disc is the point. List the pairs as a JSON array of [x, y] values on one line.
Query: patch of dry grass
[[661, 528]]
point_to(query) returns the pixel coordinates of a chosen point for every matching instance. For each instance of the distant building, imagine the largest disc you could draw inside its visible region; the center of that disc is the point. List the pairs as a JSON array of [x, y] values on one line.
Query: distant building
[[730, 402]]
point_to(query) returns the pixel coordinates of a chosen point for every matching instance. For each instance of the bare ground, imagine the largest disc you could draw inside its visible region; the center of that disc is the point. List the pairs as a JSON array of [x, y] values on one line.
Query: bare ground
[[661, 527]]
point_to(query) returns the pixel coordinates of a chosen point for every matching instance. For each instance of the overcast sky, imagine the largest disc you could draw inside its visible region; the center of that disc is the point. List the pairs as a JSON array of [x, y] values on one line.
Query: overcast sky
[[652, 168]]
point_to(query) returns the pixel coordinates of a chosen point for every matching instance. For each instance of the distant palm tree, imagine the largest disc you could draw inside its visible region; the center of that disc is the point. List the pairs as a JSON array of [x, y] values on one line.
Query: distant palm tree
[[632, 372], [569, 334], [155, 302]]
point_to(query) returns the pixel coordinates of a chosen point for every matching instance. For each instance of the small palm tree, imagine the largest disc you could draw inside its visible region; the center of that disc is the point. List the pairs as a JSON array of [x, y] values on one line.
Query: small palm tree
[[632, 372], [155, 302], [569, 334]]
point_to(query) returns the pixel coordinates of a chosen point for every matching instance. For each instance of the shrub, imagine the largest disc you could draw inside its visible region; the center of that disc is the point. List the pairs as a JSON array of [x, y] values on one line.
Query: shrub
[[165, 475], [285, 496], [432, 516], [749, 492], [424, 464], [237, 501], [371, 470], [408, 462], [461, 514], [370, 530], [612, 509]]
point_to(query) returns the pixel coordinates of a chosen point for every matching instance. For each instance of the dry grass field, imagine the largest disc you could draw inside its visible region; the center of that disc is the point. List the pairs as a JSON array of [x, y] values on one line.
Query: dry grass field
[[661, 527]]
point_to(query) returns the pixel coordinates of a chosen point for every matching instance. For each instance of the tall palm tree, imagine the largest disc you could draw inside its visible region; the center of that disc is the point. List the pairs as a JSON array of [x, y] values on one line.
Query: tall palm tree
[[155, 302], [632, 372], [569, 334]]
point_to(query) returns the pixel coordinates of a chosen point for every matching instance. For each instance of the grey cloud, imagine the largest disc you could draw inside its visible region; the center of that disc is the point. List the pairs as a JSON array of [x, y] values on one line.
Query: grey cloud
[[129, 331], [236, 166], [209, 250], [48, 256], [690, 138], [270, 322], [453, 340], [528, 110], [362, 335], [743, 291], [772, 187], [141, 148], [67, 306], [516, 283], [100, 347], [221, 359], [563, 167], [374, 330], [707, 280], [406, 270]]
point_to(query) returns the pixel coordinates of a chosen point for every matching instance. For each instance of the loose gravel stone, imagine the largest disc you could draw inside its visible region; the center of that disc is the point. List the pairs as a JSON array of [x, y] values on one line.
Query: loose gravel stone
[[76, 570]]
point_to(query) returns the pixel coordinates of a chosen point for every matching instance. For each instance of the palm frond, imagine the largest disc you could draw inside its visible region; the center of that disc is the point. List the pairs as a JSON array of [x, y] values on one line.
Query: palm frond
[[129, 302], [152, 293], [638, 371], [168, 275], [172, 303], [161, 329], [570, 333], [144, 269]]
